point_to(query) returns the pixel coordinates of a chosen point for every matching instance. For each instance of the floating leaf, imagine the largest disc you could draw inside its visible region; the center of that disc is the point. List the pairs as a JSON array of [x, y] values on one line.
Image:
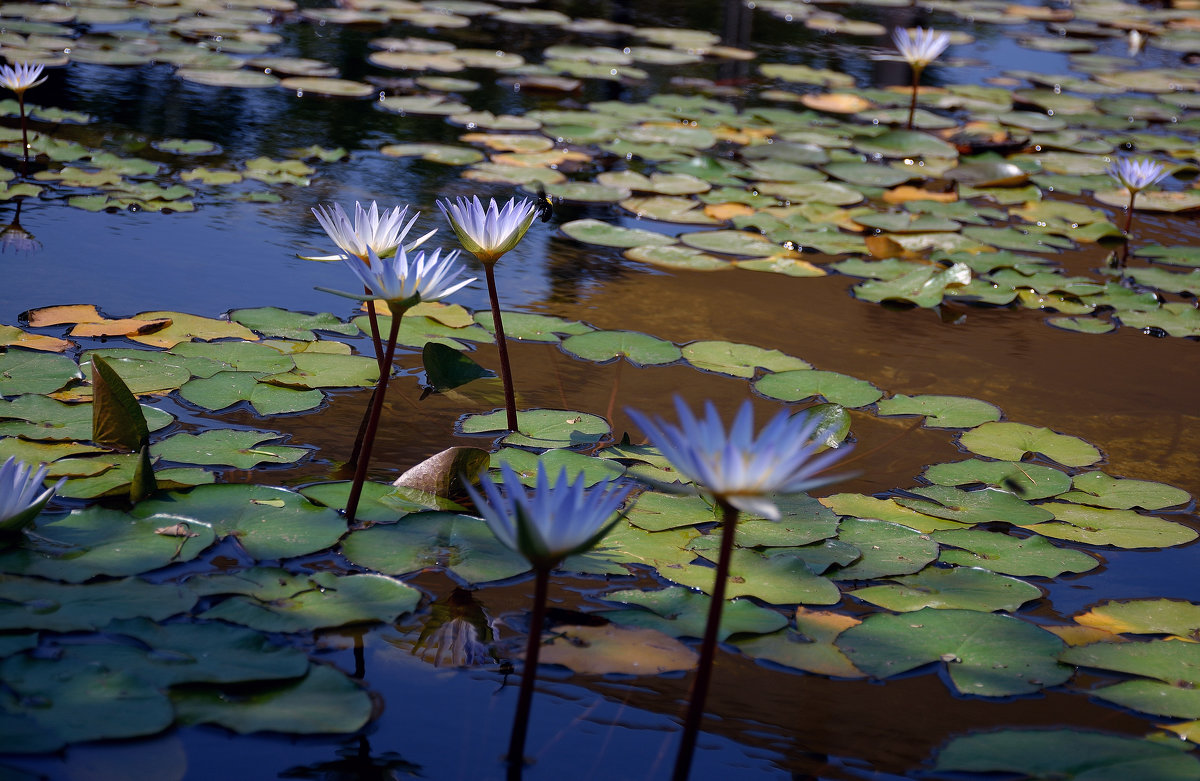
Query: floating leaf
[[1010, 555], [810, 647], [1145, 616], [26, 371], [972, 507], [1028, 481], [942, 411], [639, 349], [679, 612], [1097, 488], [887, 549], [1011, 441], [602, 650], [540, 427], [987, 654], [608, 235], [237, 449], [965, 588], [1119, 528], [34, 603], [802, 384], [779, 577]]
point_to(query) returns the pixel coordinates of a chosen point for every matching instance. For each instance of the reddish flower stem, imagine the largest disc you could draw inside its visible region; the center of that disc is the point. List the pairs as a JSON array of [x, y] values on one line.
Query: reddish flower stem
[[378, 342], [368, 439], [912, 106], [708, 646], [510, 401], [24, 132]]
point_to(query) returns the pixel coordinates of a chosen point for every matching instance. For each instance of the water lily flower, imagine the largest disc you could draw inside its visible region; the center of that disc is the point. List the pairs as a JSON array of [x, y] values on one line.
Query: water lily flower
[[1136, 175], [369, 230], [18, 78], [22, 495], [737, 467], [545, 526], [402, 281], [920, 48], [556, 520], [488, 233], [741, 471]]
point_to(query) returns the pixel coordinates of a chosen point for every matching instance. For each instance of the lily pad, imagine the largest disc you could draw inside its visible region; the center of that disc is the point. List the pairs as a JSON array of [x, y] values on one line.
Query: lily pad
[[974, 507], [540, 427], [1010, 555], [1028, 481], [887, 549], [963, 588], [225, 389], [778, 577], [1097, 488], [639, 349], [1119, 528], [1145, 616], [237, 449], [680, 612], [1012, 441], [609, 649], [608, 235], [987, 654], [942, 411], [27, 371], [833, 387], [739, 360], [35, 603], [810, 647]]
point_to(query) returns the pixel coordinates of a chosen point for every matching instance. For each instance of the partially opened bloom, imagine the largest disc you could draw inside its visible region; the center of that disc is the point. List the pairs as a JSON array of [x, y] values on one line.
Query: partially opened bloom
[[920, 48], [553, 521], [22, 495], [21, 76], [488, 233], [1136, 175], [402, 280], [736, 466], [370, 230]]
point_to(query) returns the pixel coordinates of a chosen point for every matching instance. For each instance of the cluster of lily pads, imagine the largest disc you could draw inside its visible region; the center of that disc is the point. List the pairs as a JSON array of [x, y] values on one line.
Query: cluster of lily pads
[[948, 561]]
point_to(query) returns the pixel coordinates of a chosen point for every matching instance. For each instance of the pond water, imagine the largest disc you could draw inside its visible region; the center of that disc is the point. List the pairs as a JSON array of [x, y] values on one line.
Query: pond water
[[1130, 392]]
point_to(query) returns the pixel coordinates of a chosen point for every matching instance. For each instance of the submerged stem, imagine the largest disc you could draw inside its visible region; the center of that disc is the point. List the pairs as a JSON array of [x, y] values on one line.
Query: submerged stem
[[533, 646], [368, 439], [510, 401], [708, 646]]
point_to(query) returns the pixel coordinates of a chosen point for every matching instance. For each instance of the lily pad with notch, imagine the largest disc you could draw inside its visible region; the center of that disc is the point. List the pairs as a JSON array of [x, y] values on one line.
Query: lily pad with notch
[[1012, 441], [803, 384], [942, 411], [1009, 555], [545, 428], [1102, 526]]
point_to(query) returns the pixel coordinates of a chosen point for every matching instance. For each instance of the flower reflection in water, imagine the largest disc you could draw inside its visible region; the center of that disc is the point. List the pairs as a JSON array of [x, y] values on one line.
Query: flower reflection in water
[[458, 633], [14, 238]]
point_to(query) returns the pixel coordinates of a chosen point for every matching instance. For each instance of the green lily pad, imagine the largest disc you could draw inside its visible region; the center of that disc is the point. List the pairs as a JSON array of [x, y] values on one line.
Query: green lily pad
[[1174, 667], [739, 360], [51, 703], [656, 511], [906, 143], [676, 257], [1028, 481], [868, 174], [34, 603], [434, 153], [1085, 325], [963, 588], [1010, 555], [973, 507], [942, 411], [540, 427], [924, 286], [1012, 441], [1119, 528], [527, 464], [986, 654], [810, 647], [241, 79], [42, 418], [224, 389], [1067, 753], [227, 447], [280, 323], [778, 577], [608, 235], [29, 371], [887, 549], [99, 541], [668, 208], [1097, 488], [328, 370], [321, 600], [1177, 318], [680, 612], [869, 507], [269, 523], [324, 702], [435, 105], [533, 328], [731, 242], [833, 387], [639, 349], [457, 543], [1145, 616]]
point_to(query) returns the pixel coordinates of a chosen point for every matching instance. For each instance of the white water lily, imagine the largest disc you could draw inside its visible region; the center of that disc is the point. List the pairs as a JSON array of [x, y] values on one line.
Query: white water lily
[[21, 76], [369, 230], [920, 48], [1136, 175], [404, 281], [22, 495], [487, 233], [739, 467], [553, 521]]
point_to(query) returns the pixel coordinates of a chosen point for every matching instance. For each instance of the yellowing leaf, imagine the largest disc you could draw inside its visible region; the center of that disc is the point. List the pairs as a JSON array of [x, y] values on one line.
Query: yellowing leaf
[[599, 650], [11, 335]]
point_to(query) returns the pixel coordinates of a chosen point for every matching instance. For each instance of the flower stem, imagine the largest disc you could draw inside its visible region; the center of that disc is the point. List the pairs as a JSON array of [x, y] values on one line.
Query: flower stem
[[24, 133], [373, 317], [368, 439], [912, 106], [1128, 227], [708, 646], [510, 401], [533, 647]]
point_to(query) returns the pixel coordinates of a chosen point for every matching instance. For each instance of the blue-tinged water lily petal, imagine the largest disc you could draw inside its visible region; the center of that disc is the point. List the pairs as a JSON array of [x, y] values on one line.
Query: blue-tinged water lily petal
[[920, 48], [403, 280], [555, 520], [21, 76], [370, 230], [487, 233], [1136, 175], [739, 467], [22, 495]]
